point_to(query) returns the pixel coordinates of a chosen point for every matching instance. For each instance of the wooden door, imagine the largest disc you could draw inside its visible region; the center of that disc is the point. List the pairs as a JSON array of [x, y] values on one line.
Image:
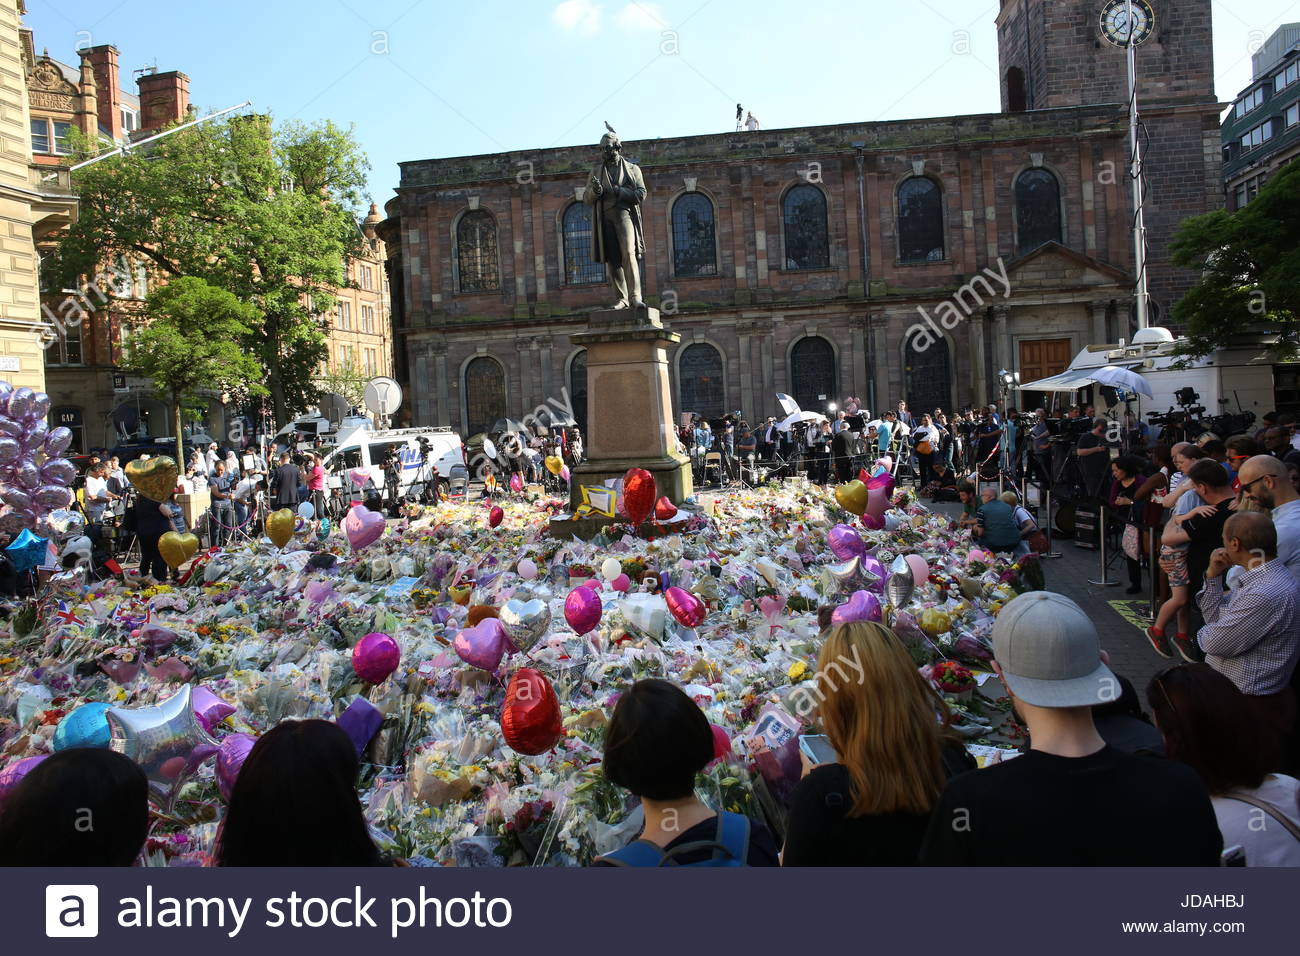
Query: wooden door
[[1040, 358]]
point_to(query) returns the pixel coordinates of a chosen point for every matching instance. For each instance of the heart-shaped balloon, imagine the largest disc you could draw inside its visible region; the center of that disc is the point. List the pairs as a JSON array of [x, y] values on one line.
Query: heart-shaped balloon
[[772, 607], [530, 716], [232, 753], [900, 584], [685, 607], [57, 441], [495, 516], [554, 464], [482, 645], [665, 510], [862, 606], [280, 525], [177, 548], [638, 495], [52, 497], [375, 657], [525, 622], [852, 497], [58, 471], [210, 709], [155, 478], [582, 610], [877, 503], [845, 542], [362, 526]]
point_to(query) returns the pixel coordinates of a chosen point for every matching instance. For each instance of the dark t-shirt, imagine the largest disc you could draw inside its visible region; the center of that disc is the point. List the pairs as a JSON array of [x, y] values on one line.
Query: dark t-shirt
[[1093, 467], [1106, 809], [762, 848], [819, 832], [286, 482], [1205, 534]]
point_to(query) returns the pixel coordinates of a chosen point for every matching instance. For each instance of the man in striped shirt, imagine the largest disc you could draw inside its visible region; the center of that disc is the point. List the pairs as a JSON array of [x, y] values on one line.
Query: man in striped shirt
[[1252, 634]]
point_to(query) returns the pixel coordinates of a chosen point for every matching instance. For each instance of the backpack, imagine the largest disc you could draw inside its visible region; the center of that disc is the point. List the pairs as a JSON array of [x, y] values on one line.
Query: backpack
[[730, 847]]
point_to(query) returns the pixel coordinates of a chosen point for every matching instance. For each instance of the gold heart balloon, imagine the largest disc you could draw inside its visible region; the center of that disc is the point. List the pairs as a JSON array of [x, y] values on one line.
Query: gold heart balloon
[[852, 497], [155, 478], [176, 549], [280, 525]]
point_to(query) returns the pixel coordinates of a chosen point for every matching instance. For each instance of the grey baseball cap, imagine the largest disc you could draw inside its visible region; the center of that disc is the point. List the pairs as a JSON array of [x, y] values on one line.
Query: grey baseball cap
[[1050, 654]]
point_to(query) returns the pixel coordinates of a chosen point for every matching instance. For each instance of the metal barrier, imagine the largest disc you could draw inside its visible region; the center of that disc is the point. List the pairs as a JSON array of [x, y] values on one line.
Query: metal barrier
[[1101, 551]]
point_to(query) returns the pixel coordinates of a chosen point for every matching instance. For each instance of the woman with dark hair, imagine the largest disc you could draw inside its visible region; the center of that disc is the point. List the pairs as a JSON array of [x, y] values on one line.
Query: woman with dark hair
[[1211, 726], [872, 805], [1127, 471], [78, 807], [657, 741], [295, 802]]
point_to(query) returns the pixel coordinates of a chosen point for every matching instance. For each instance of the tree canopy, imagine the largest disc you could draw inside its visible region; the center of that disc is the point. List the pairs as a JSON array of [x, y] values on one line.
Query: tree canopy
[[1249, 262], [266, 214], [188, 341]]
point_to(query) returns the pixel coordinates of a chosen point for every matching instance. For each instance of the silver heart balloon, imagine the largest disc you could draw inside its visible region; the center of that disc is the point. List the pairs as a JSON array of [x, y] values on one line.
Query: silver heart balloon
[[846, 577], [525, 622], [900, 584], [67, 522], [166, 741]]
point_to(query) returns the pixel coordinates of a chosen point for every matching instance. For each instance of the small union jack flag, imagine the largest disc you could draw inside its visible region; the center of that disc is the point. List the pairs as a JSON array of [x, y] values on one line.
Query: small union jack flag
[[67, 615]]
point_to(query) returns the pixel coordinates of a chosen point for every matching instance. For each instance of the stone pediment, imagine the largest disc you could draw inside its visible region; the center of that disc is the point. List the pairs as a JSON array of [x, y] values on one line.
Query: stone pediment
[[47, 76], [1053, 266]]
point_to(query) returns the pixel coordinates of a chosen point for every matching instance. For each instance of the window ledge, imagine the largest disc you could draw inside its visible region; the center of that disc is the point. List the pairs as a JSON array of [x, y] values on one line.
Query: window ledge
[[831, 270], [900, 263]]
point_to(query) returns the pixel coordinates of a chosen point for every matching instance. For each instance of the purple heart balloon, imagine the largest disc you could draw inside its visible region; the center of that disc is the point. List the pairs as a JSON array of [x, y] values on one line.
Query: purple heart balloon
[[873, 572], [209, 708], [27, 474], [231, 755], [862, 606], [361, 721], [482, 645], [9, 449], [845, 542], [57, 441], [20, 403], [52, 497], [16, 498], [10, 428], [375, 657], [36, 435]]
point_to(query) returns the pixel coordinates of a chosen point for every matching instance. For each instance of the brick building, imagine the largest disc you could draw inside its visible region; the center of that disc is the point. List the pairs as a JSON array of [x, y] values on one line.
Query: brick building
[[904, 259], [1262, 133]]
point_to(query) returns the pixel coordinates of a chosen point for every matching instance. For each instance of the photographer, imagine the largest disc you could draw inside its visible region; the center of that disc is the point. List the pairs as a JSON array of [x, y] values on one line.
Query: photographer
[[392, 466], [1094, 457]]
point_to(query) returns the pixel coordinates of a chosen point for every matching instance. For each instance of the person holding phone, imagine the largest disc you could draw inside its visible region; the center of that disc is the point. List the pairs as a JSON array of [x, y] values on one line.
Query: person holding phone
[[867, 800]]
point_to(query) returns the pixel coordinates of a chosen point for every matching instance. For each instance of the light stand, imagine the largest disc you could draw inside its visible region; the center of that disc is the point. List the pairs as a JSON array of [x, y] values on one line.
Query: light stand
[[1137, 172]]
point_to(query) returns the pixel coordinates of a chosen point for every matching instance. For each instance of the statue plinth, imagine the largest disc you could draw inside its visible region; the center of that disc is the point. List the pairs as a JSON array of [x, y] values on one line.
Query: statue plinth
[[629, 403]]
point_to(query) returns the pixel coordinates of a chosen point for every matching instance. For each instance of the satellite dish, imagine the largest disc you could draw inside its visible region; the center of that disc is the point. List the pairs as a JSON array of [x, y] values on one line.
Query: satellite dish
[[490, 448], [334, 407], [383, 396]]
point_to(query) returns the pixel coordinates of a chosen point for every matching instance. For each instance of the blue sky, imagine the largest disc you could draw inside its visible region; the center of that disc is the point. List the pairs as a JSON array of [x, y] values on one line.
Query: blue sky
[[430, 78]]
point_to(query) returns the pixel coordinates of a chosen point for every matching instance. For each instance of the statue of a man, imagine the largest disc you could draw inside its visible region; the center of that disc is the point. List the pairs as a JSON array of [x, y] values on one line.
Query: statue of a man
[[616, 191]]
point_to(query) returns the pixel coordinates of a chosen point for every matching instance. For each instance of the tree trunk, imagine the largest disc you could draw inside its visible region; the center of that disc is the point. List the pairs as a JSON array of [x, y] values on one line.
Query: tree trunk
[[278, 405], [180, 434]]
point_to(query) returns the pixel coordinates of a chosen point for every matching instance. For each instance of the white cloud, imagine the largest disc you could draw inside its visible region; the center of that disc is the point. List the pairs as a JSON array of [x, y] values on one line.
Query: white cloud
[[578, 16], [642, 15]]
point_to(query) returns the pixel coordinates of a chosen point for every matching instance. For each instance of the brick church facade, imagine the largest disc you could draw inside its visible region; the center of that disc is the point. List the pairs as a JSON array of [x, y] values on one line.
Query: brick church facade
[[905, 259]]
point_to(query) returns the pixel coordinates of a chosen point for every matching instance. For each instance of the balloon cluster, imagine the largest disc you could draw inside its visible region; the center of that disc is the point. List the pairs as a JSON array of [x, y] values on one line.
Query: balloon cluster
[[34, 478]]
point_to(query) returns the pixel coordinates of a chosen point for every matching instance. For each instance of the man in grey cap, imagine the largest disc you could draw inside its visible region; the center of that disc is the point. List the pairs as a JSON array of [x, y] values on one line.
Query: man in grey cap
[[1070, 800]]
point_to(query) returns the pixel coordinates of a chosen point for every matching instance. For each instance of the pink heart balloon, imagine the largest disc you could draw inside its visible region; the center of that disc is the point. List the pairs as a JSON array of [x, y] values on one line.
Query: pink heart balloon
[[482, 645], [862, 606], [845, 543], [685, 607], [362, 526], [582, 610], [884, 481], [872, 522], [359, 477], [375, 657], [877, 501]]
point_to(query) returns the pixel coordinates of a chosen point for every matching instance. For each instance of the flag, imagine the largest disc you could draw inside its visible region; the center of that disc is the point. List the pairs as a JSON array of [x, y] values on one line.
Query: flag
[[788, 404], [67, 615]]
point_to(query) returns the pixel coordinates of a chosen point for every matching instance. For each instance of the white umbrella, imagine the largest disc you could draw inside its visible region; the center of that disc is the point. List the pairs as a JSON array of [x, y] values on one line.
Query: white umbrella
[[799, 417], [1117, 377]]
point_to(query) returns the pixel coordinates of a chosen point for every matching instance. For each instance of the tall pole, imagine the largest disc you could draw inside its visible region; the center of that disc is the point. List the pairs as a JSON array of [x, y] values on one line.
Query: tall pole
[[1136, 172]]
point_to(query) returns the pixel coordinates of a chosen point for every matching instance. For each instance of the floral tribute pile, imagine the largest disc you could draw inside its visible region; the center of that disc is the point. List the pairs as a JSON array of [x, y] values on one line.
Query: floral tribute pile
[[420, 641]]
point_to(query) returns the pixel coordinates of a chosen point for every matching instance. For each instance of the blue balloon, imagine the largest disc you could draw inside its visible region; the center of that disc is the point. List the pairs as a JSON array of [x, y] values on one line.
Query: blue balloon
[[27, 551], [87, 726], [323, 530]]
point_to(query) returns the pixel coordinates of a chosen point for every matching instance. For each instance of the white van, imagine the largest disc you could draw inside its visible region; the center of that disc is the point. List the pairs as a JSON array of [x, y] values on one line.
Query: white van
[[364, 450]]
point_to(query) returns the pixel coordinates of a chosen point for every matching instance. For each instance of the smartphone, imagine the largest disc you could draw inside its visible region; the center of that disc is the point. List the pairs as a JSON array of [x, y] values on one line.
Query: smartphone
[[817, 748]]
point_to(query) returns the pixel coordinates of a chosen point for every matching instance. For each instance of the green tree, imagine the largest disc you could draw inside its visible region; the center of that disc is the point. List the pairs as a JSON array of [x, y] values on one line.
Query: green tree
[[1249, 262], [267, 214], [348, 381], [188, 342]]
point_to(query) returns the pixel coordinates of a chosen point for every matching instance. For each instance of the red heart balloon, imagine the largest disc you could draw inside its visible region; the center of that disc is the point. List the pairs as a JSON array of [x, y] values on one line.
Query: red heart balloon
[[688, 609], [638, 494], [665, 510], [530, 716], [495, 516]]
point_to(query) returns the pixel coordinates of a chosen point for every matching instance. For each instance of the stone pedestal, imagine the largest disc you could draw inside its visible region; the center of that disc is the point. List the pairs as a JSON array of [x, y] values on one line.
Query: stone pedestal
[[629, 403]]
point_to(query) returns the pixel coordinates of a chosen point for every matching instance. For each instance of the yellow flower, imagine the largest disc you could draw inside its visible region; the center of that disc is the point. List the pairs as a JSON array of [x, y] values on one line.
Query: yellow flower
[[798, 671]]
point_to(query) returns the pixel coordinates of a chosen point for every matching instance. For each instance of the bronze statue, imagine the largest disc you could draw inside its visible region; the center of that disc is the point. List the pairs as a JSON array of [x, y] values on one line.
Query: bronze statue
[[616, 191]]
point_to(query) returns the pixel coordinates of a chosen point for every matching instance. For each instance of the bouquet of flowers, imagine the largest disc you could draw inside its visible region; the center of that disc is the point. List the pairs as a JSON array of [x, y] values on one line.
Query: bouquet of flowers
[[952, 678]]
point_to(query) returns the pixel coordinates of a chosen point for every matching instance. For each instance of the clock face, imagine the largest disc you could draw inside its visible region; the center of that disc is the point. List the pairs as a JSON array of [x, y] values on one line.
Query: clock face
[[1117, 28]]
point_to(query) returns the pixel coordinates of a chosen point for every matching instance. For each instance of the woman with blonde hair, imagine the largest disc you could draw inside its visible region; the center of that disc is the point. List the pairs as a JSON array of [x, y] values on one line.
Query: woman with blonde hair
[[893, 756]]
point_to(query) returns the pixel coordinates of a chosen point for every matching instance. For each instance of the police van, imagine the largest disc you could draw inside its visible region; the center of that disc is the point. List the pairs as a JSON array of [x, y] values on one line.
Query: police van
[[425, 455]]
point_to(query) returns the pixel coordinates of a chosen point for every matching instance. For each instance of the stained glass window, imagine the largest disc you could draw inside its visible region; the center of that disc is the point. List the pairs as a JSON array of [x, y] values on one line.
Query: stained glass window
[[920, 220], [700, 380], [1038, 209], [579, 266], [695, 250], [485, 394], [804, 213], [476, 252]]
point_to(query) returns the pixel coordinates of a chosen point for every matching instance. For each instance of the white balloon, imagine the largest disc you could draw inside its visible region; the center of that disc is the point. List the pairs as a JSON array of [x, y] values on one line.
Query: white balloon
[[306, 511], [611, 568]]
